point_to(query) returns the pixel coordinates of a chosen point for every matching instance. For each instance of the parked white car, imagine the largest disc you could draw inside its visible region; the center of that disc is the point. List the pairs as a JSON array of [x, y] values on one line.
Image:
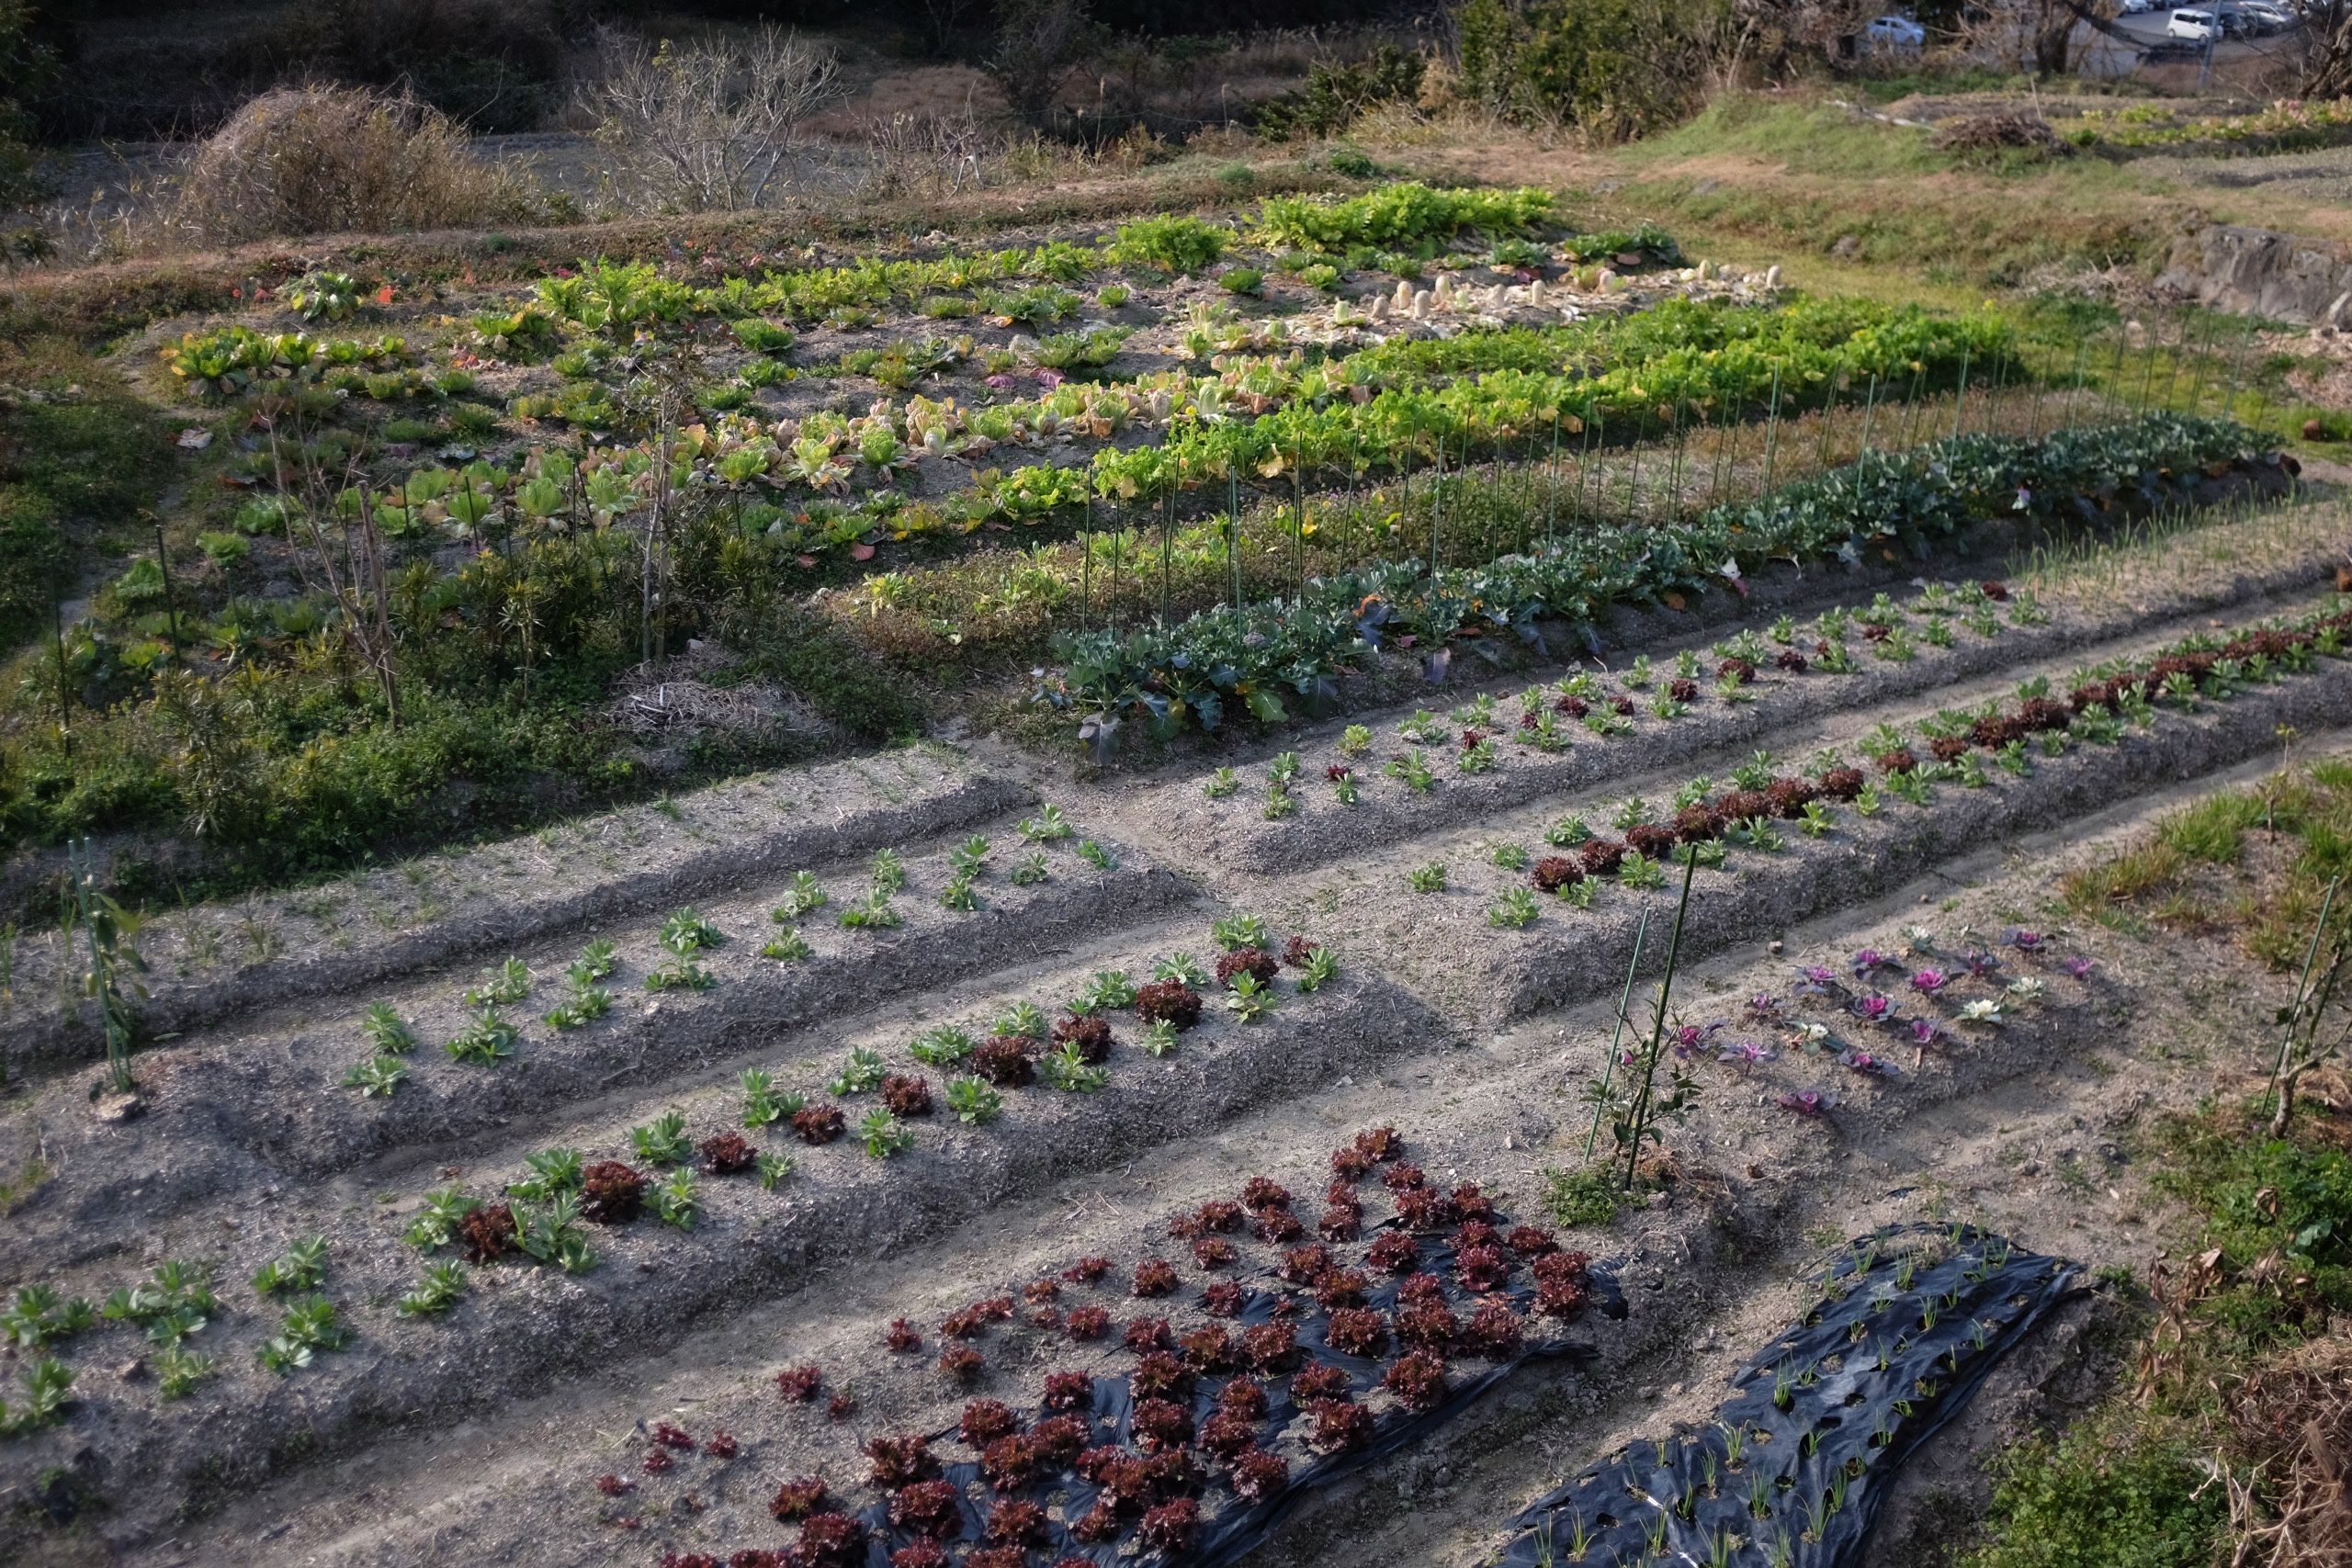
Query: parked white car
[[1896, 32], [2136, 8], [2196, 26]]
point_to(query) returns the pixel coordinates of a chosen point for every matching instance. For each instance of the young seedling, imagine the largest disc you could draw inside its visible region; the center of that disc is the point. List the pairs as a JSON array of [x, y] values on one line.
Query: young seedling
[[969, 857], [488, 1040], [943, 1046], [300, 1267], [677, 1200], [773, 1168], [889, 873], [443, 1287], [790, 948], [178, 1371], [1355, 741], [1515, 909], [1109, 990], [49, 1387], [597, 960], [1159, 1035], [509, 984], [1234, 932], [1068, 1070], [1249, 999], [385, 1034], [1412, 771], [862, 1072], [806, 898], [1024, 1019], [874, 914], [762, 1106], [437, 1220], [1567, 832], [584, 1006], [1322, 966], [1429, 878], [686, 932], [377, 1077], [1221, 784], [1050, 826], [308, 1326], [1509, 857], [883, 1134], [662, 1142], [1181, 967], [1096, 855], [552, 1172], [1030, 869], [1344, 788], [974, 1101], [957, 895], [1280, 803], [39, 1316], [679, 974]]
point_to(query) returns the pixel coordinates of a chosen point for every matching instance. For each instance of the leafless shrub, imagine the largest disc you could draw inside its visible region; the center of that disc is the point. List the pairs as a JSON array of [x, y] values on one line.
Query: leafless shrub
[[1985, 135], [911, 154], [708, 126], [1039, 45], [328, 160]]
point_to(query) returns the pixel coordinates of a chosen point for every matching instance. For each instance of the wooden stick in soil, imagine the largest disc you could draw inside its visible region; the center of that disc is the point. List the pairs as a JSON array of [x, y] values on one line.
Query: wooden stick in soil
[[1616, 1034], [2303, 995], [1657, 1028]]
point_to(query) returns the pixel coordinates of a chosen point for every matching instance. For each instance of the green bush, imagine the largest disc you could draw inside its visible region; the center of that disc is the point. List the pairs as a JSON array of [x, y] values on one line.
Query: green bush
[[1185, 245], [1336, 92], [2087, 1500], [1612, 68], [1398, 217]]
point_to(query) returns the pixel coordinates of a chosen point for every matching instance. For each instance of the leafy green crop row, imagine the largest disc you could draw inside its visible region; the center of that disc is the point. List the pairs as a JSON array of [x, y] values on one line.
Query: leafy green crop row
[[1255, 419], [1255, 654], [1398, 217]]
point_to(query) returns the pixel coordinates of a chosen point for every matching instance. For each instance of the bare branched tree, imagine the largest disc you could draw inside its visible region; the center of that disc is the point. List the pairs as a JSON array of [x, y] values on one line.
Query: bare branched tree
[[708, 126], [2322, 50], [2039, 35], [1039, 44]]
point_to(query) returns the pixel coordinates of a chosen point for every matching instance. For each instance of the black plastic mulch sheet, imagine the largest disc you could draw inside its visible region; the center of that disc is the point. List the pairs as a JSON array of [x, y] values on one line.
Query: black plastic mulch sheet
[[1229, 1527], [1796, 1467]]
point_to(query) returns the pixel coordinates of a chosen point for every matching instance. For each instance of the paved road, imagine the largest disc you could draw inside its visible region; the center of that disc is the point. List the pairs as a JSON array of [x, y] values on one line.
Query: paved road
[[2106, 55]]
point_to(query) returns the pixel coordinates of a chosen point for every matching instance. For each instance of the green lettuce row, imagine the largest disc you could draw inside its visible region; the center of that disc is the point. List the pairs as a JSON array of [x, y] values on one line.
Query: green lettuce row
[[1265, 656]]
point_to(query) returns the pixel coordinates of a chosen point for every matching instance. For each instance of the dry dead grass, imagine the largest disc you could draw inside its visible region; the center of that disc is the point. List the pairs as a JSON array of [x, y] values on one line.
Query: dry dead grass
[[2295, 1416], [334, 160]]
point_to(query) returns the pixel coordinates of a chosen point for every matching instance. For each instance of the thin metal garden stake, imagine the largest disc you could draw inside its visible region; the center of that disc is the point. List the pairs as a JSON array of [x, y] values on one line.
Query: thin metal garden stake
[[2115, 372], [2237, 369], [1437, 501], [171, 606], [2197, 382], [1633, 489], [1167, 548], [1298, 518], [1772, 428], [2303, 985], [1870, 409], [1086, 565], [2074, 376], [1233, 528], [1657, 1027], [1596, 434], [57, 640], [1551, 506], [1616, 1033], [1674, 467], [2148, 371], [1960, 408], [1911, 421]]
